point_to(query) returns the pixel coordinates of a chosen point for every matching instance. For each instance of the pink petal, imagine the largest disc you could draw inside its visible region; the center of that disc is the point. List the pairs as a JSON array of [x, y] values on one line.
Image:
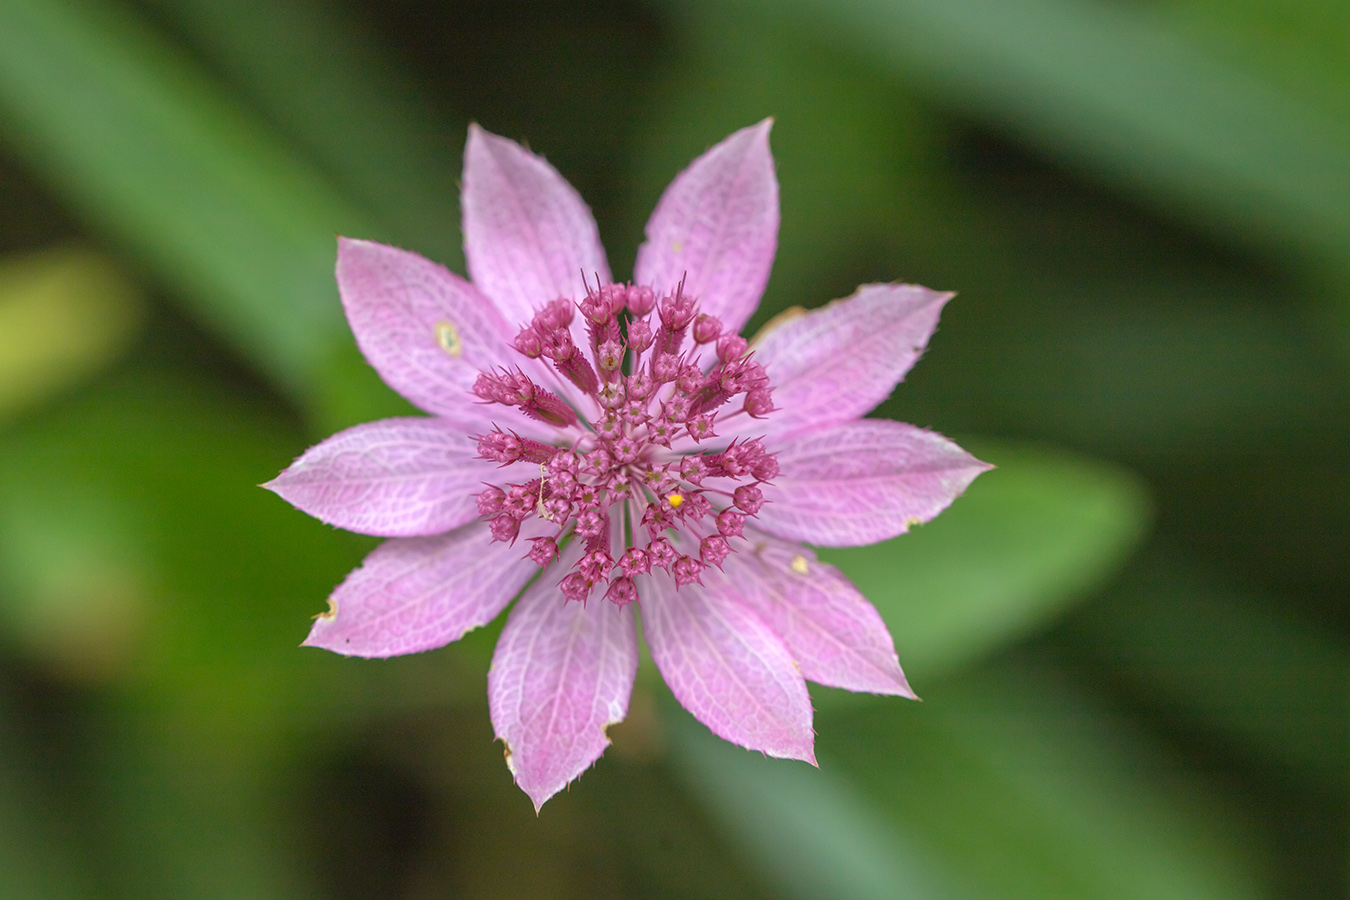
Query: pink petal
[[862, 482], [717, 226], [837, 363], [528, 236], [427, 331], [561, 674], [414, 594], [727, 667], [392, 478], [836, 636]]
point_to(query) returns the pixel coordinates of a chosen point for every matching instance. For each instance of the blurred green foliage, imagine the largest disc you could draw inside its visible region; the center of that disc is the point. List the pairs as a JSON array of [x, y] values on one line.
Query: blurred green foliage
[[1146, 210]]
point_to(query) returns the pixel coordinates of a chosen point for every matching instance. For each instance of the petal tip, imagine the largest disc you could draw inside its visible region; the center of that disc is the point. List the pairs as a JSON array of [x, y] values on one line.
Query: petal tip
[[806, 754], [315, 638], [280, 485], [753, 138], [481, 140], [477, 141], [902, 689], [540, 796], [347, 246]]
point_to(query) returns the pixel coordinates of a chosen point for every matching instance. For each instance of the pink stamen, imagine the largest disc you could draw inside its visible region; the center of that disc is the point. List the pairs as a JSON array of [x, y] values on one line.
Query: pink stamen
[[543, 551], [621, 592], [687, 570], [620, 468]]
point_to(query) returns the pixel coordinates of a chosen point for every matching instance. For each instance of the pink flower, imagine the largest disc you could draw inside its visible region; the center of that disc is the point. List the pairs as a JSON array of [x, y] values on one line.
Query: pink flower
[[624, 445]]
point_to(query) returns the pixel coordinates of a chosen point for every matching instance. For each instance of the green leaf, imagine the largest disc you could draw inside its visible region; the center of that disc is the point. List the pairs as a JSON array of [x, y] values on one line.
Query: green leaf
[[1297, 45], [1038, 790], [1025, 541], [1107, 87], [335, 90], [1239, 664], [811, 832], [141, 142], [1007, 783]]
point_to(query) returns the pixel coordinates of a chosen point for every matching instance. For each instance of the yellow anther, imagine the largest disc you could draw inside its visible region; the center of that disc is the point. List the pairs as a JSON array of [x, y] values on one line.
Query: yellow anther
[[675, 500], [799, 565]]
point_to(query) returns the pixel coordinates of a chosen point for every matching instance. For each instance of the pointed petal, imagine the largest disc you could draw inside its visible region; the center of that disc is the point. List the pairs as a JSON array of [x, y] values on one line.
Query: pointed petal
[[561, 674], [862, 482], [717, 223], [838, 362], [528, 236], [392, 478], [427, 331], [414, 594], [836, 636], [727, 667]]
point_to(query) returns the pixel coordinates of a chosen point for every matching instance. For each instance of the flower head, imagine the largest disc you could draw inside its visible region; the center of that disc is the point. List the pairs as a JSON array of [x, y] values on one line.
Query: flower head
[[619, 445]]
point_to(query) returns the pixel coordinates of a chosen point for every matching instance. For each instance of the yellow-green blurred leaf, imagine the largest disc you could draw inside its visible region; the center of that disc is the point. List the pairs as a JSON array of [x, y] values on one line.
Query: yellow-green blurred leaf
[[63, 315]]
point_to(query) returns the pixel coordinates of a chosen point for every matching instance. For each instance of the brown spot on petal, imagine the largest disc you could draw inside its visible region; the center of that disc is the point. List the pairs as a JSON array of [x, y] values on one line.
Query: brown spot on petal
[[447, 335], [328, 614], [799, 564]]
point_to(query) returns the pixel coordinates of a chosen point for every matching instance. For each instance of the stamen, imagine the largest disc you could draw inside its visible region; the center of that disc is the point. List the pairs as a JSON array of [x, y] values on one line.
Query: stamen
[[621, 592], [617, 473], [543, 551]]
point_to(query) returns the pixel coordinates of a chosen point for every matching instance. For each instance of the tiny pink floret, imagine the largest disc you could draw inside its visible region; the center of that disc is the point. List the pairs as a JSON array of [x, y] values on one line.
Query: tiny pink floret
[[618, 445]]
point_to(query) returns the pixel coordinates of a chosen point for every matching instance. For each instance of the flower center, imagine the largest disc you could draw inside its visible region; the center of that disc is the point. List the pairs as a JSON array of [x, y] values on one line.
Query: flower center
[[636, 475]]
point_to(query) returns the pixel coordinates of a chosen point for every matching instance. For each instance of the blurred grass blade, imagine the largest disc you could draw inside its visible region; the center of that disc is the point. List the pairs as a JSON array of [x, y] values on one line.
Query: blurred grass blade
[[1034, 791], [1024, 541], [136, 138], [76, 569], [1006, 784], [1240, 665], [809, 830], [63, 315], [1105, 87], [333, 89]]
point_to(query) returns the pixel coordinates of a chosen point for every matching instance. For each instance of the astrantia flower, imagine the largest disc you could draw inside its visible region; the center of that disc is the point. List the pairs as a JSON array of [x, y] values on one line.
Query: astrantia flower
[[604, 447]]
